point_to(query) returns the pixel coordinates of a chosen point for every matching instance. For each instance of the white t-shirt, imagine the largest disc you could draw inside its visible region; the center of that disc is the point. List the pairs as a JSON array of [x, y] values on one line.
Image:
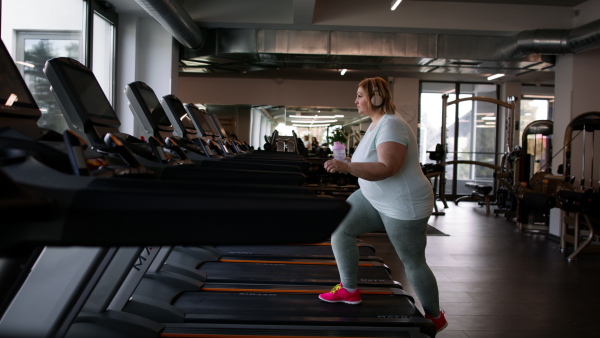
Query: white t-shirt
[[408, 194]]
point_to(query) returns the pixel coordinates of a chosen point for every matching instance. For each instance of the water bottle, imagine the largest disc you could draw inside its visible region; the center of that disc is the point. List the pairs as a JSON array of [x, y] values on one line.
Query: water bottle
[[339, 151]]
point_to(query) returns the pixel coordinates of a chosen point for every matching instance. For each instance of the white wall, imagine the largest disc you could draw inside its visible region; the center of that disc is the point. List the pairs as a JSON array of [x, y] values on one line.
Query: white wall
[[146, 53], [586, 12], [576, 93], [266, 92], [405, 93], [48, 15]]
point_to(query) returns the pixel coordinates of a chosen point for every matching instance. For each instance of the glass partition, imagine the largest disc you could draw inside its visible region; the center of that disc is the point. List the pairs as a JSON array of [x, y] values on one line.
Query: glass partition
[[471, 131]]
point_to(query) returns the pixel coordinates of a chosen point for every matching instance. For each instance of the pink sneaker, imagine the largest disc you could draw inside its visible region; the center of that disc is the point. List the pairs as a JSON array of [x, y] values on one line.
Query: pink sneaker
[[340, 295], [440, 322]]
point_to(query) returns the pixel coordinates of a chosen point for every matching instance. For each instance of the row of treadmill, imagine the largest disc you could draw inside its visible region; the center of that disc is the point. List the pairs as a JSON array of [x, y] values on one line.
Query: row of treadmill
[[181, 234]]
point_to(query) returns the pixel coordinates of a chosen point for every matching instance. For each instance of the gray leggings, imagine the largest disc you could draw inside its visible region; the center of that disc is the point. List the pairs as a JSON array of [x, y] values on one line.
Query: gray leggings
[[408, 237]]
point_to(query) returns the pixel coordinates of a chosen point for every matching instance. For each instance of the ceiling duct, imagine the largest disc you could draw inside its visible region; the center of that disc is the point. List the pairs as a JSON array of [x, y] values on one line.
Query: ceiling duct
[[230, 49], [240, 49], [553, 41], [176, 20]]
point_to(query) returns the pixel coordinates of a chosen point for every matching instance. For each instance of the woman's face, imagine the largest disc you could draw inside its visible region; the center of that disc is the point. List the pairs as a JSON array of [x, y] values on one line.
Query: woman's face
[[362, 101]]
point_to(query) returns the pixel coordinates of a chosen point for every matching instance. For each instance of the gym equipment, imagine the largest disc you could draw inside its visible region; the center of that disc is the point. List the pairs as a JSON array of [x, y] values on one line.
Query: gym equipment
[[282, 144], [194, 129], [577, 207], [481, 193], [89, 113], [109, 224], [504, 174], [536, 150], [170, 116], [579, 220], [181, 306]]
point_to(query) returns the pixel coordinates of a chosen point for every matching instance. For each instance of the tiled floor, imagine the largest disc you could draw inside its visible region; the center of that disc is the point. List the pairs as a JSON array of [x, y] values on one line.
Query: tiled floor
[[496, 281]]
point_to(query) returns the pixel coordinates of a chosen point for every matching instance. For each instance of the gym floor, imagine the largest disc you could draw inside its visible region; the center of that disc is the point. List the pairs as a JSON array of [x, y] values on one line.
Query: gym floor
[[496, 281]]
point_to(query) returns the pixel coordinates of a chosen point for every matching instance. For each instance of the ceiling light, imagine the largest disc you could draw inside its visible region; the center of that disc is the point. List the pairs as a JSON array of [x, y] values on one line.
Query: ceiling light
[[310, 125], [320, 121], [531, 96], [395, 4], [495, 76], [343, 71], [315, 116]]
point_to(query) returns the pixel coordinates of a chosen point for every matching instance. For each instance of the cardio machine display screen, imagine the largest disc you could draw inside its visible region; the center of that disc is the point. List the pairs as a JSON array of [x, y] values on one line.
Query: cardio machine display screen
[[199, 117], [92, 96], [213, 128], [157, 113], [219, 125], [15, 97]]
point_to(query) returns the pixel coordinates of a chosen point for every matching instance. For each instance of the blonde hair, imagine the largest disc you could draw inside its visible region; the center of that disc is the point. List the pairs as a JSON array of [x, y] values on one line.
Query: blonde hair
[[369, 84]]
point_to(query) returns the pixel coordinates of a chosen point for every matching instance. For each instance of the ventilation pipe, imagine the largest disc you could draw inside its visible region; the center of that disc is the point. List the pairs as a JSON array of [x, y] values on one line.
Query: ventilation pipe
[[554, 41], [171, 15]]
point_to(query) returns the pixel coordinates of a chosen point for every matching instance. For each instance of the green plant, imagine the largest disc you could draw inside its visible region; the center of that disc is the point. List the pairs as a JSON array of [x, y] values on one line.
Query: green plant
[[337, 136]]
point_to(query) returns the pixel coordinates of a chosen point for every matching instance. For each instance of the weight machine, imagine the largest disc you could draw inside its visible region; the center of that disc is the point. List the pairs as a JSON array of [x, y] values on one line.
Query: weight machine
[[578, 208], [577, 199], [535, 157], [504, 174]]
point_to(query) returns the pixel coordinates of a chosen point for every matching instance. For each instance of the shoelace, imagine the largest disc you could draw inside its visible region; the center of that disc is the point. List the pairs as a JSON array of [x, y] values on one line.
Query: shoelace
[[335, 288]]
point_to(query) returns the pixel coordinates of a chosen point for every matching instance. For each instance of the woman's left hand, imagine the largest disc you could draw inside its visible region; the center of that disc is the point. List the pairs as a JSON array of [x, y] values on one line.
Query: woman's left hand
[[335, 166]]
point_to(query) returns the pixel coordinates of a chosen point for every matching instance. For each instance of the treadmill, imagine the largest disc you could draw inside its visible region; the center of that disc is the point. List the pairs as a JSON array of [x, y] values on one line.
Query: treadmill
[[89, 113], [209, 124], [50, 163], [167, 119], [274, 272], [67, 76], [170, 116], [84, 224], [98, 214], [229, 271], [186, 307]]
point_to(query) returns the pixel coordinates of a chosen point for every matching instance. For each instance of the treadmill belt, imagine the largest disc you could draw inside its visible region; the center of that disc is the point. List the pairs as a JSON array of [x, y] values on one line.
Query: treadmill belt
[[252, 331], [290, 274], [302, 309]]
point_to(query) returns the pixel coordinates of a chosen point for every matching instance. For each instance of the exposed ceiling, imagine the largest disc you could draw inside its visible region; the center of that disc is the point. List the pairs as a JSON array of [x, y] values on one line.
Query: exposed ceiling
[[438, 40], [311, 39]]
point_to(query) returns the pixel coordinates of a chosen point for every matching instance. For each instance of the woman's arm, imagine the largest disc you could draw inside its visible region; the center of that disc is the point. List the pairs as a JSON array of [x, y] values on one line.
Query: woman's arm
[[390, 155]]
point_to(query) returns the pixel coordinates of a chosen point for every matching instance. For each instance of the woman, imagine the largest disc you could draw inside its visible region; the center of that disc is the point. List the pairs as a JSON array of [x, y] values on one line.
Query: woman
[[394, 195], [314, 145]]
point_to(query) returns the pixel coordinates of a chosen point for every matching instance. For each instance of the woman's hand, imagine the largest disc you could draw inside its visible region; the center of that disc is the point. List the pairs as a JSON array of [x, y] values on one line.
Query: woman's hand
[[335, 166], [390, 159]]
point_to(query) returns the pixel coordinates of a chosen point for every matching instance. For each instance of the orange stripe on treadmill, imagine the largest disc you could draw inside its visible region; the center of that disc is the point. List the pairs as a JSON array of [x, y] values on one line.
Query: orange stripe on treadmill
[[283, 262]]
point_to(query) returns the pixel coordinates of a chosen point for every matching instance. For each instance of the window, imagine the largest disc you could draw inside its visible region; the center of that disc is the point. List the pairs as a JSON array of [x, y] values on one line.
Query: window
[[35, 31], [103, 48], [536, 108], [34, 49], [470, 131]]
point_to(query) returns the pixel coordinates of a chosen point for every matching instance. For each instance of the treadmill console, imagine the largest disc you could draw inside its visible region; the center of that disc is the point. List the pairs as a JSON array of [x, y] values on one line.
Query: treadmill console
[[82, 99]]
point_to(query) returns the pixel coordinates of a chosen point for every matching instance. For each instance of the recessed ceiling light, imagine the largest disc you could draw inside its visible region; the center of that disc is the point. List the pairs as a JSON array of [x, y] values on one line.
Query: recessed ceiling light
[[495, 76]]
